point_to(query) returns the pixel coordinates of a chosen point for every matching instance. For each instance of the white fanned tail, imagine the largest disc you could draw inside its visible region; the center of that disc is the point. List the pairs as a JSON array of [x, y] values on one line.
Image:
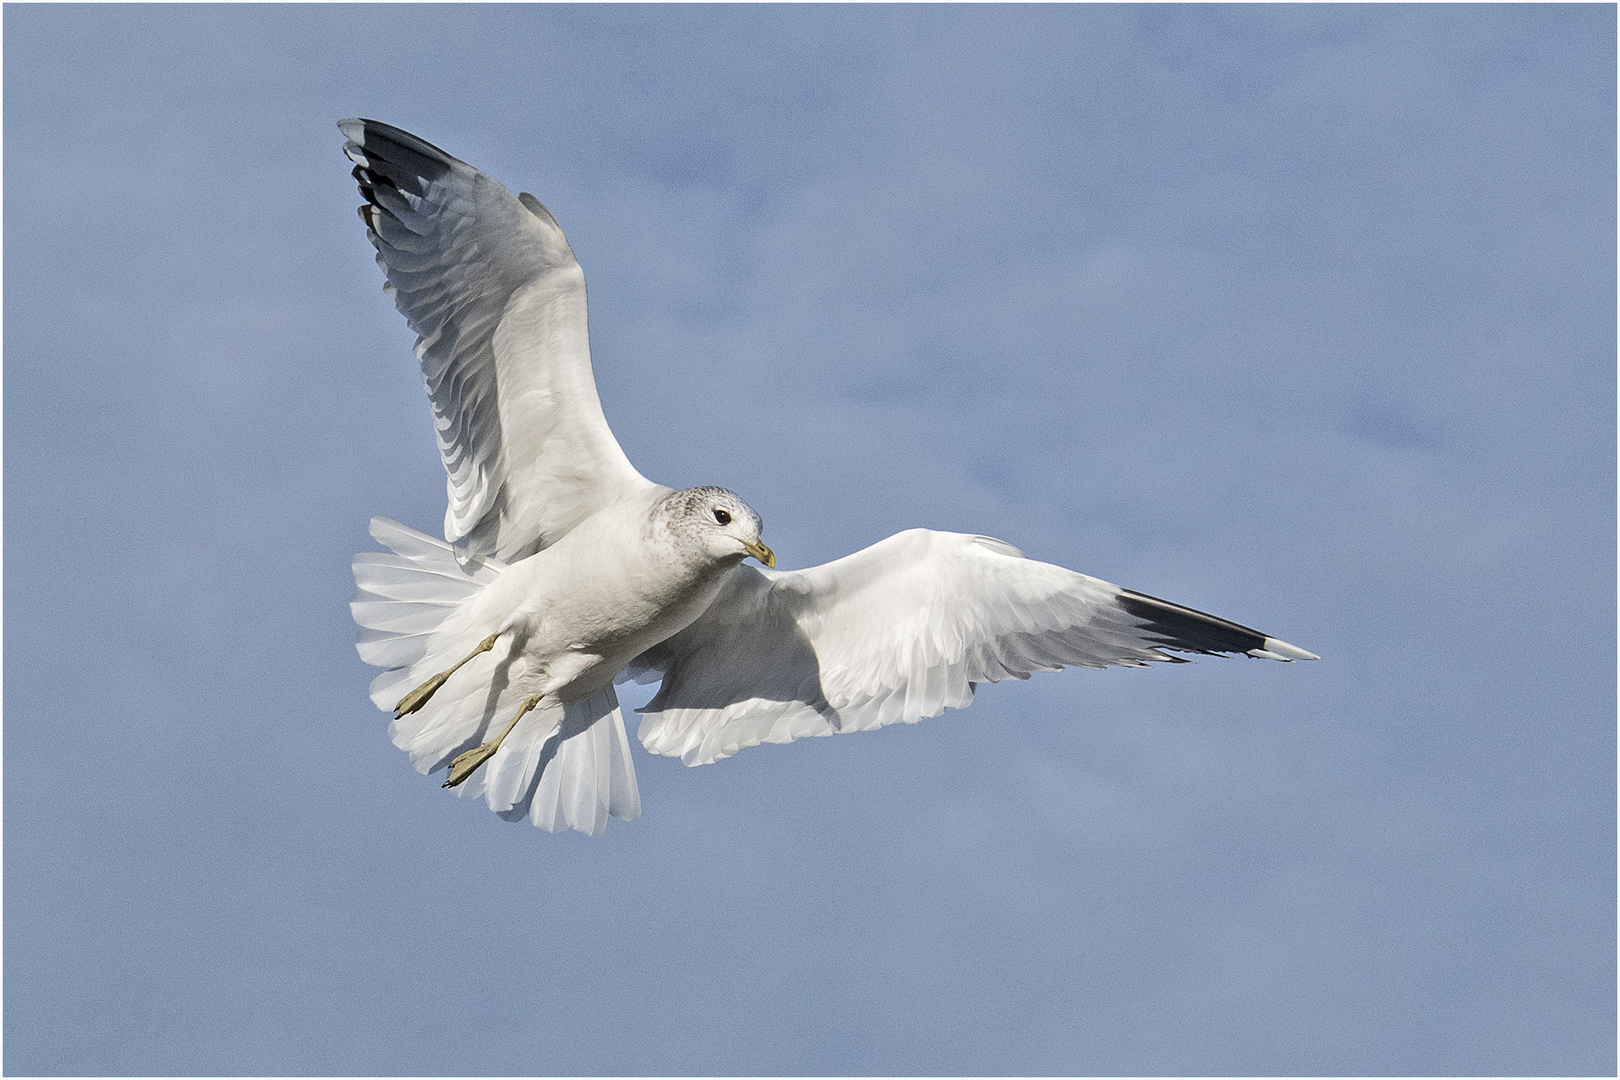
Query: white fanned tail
[[563, 766]]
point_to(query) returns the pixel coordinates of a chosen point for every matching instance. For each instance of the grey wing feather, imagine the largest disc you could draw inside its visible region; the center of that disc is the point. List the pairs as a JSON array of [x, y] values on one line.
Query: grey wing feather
[[900, 631], [493, 291]]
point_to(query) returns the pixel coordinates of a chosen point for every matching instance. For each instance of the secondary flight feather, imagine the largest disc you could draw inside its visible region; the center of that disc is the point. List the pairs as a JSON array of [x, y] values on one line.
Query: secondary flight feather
[[563, 568]]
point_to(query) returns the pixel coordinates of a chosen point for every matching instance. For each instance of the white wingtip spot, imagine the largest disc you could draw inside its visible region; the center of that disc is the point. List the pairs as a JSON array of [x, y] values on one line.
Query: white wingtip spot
[[1281, 650]]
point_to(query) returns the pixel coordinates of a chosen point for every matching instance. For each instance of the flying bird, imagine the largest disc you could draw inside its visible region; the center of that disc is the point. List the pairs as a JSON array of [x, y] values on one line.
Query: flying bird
[[564, 570]]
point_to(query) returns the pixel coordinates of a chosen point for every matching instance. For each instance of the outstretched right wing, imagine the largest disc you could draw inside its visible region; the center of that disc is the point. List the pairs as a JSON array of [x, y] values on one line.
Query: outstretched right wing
[[491, 287], [900, 631]]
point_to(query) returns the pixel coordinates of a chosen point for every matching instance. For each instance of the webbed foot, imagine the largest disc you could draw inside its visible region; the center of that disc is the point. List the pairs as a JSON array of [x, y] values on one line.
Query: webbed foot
[[464, 765], [420, 696]]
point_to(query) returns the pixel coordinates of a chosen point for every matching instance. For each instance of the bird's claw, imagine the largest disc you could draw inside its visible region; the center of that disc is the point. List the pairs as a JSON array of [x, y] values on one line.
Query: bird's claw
[[466, 764], [419, 697]]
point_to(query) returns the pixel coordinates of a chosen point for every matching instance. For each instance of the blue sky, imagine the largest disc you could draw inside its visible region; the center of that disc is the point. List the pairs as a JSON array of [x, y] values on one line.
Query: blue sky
[[1302, 316]]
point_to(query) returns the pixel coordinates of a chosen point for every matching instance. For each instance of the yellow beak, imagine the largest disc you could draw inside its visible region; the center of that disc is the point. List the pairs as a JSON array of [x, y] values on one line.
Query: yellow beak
[[762, 553]]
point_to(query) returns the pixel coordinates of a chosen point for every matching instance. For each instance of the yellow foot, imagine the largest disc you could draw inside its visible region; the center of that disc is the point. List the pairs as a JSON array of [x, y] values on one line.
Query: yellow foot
[[466, 764], [419, 697]]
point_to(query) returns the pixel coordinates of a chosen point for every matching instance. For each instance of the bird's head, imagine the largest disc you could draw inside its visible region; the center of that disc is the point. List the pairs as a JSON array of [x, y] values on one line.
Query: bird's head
[[723, 525]]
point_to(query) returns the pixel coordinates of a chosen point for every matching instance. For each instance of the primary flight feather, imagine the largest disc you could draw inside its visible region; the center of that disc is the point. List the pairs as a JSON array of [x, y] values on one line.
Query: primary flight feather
[[564, 569]]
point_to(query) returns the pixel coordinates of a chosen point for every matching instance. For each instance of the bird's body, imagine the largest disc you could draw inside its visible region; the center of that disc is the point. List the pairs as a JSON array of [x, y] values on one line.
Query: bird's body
[[580, 610], [564, 568]]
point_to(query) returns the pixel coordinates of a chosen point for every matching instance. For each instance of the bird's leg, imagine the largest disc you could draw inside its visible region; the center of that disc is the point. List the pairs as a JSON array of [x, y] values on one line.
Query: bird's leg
[[419, 697], [466, 764]]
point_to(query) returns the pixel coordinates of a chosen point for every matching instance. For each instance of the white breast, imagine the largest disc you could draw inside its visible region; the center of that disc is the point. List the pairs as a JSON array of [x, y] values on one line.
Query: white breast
[[584, 607]]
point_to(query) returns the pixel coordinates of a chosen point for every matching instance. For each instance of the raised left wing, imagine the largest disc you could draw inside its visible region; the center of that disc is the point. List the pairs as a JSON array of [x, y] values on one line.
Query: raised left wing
[[488, 282], [900, 631]]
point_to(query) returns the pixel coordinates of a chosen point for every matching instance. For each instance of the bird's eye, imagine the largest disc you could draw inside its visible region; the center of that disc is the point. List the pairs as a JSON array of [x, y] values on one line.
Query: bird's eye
[[722, 517]]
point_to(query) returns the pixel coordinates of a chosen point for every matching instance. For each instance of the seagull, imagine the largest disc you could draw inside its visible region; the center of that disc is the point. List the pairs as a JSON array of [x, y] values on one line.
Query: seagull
[[564, 571]]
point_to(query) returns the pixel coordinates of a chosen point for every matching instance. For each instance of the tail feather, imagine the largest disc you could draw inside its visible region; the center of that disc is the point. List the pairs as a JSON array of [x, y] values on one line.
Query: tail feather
[[387, 688], [427, 552], [573, 775], [404, 598], [398, 618], [595, 763], [563, 766], [384, 648]]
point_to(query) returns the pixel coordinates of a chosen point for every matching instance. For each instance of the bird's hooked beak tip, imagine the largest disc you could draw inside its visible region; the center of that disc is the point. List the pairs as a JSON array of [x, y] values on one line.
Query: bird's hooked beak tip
[[762, 553]]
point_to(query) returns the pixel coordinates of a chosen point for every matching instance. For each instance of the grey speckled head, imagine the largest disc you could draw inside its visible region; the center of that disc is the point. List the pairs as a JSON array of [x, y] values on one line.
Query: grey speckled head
[[714, 521]]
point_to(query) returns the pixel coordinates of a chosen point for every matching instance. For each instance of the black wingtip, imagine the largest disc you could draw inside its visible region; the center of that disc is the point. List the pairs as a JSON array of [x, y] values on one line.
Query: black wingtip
[[1188, 630], [388, 160], [397, 145]]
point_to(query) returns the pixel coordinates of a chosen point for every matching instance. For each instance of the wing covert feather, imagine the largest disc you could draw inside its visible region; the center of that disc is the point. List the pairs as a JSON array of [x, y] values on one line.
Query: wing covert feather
[[898, 632], [488, 282]]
